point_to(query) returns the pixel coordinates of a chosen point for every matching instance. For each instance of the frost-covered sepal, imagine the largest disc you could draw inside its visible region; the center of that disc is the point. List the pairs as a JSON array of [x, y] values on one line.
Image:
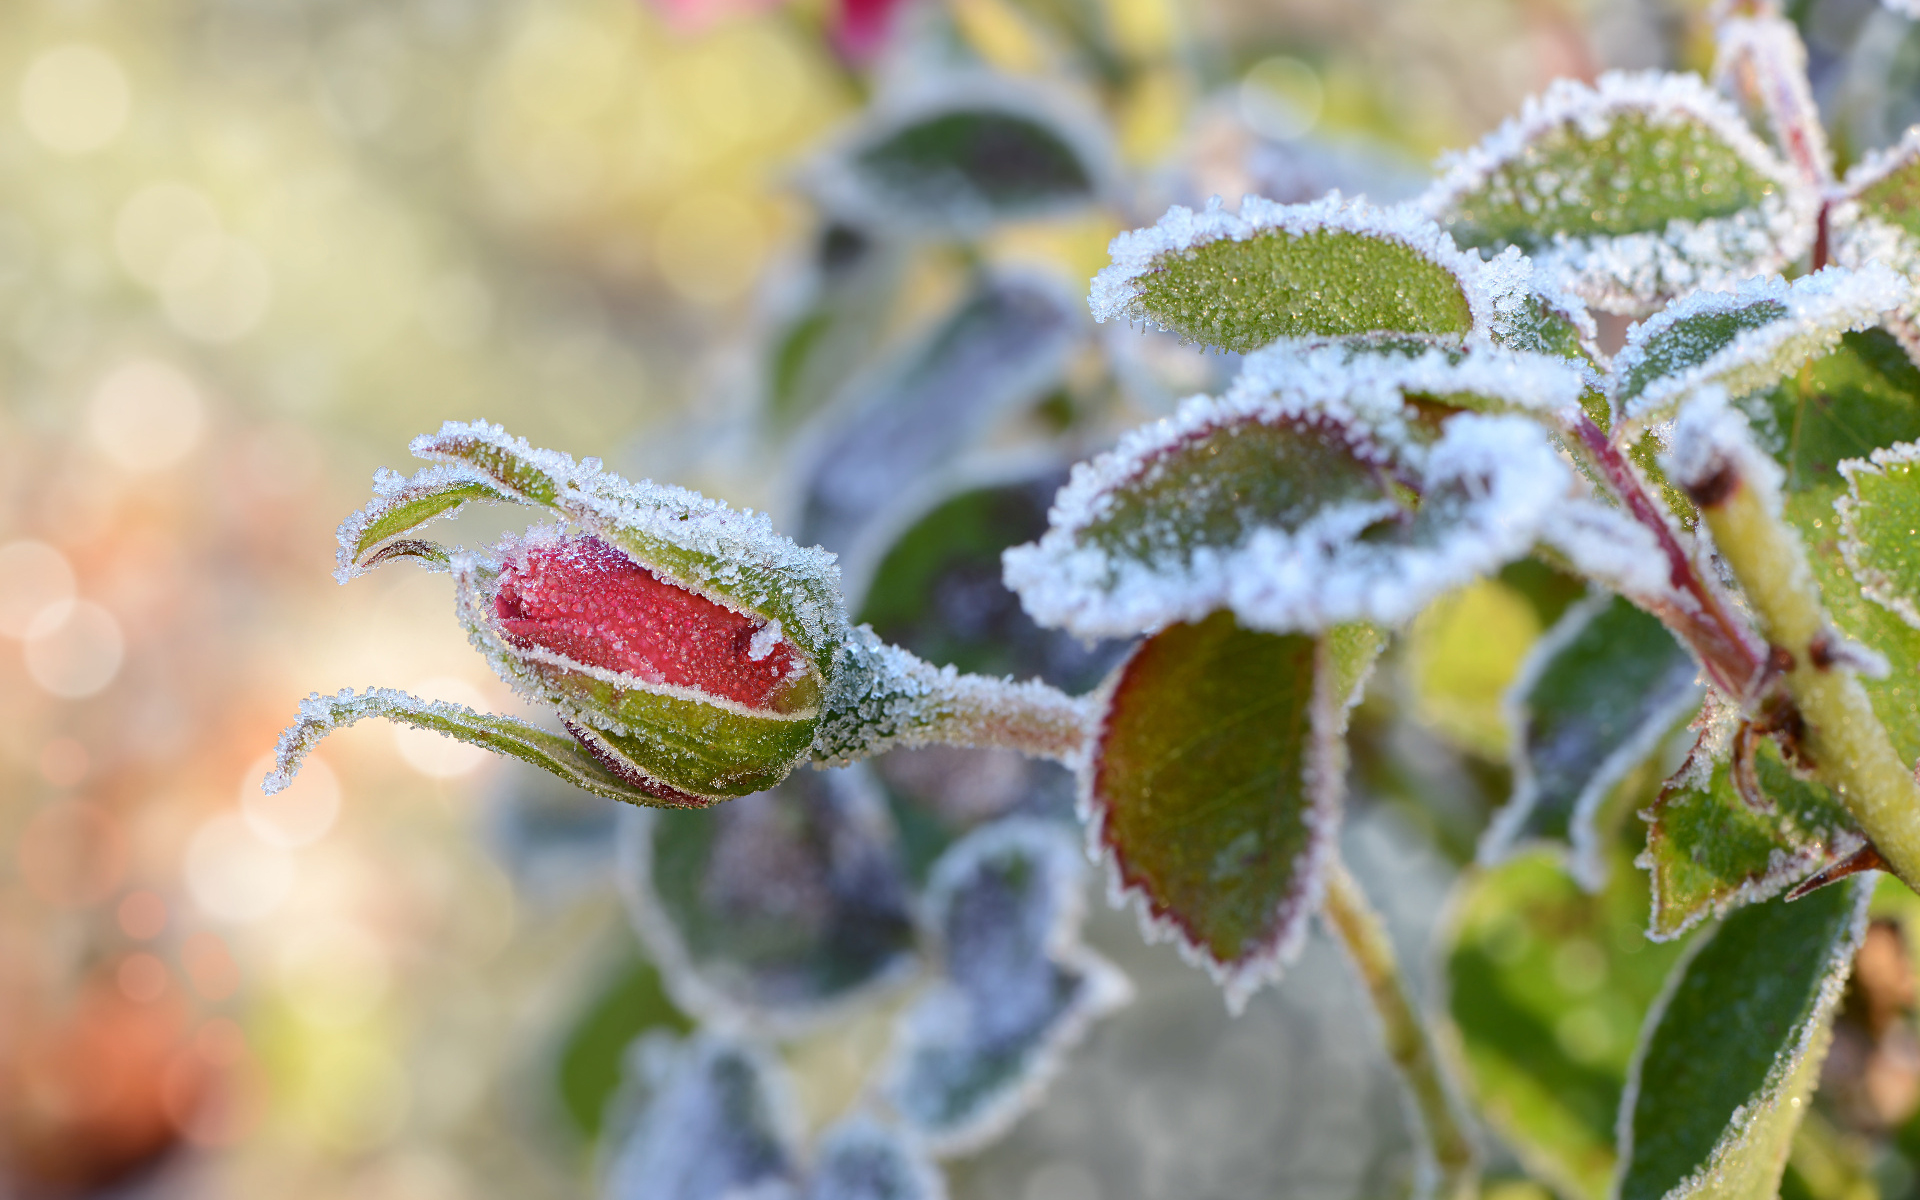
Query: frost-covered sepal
[[553, 753], [685, 698], [1332, 268], [961, 153], [1747, 338], [775, 911], [1878, 517], [378, 533], [1643, 187], [1731, 1053], [1016, 990], [710, 1119], [1735, 826], [1216, 787], [1593, 699], [1306, 497]]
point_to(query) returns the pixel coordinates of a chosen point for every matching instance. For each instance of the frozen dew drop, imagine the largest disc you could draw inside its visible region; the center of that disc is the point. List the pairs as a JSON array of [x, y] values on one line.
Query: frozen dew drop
[[297, 815], [74, 650], [34, 578], [74, 99], [146, 415]]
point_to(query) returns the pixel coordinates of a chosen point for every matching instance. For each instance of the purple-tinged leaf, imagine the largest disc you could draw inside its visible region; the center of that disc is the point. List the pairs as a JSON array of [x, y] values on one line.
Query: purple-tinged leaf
[[713, 1123], [1016, 990], [1595, 698], [1216, 788], [777, 910]]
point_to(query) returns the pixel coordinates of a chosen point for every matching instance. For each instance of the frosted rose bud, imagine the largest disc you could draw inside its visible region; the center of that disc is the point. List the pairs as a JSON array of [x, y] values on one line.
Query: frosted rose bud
[[682, 695]]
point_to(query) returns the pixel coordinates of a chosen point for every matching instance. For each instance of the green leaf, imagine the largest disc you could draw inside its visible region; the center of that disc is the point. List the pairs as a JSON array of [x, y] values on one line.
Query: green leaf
[[1298, 500], [1710, 851], [888, 451], [1595, 698], [1863, 396], [775, 911], [631, 1003], [1547, 987], [1016, 988], [958, 160], [1334, 268], [1748, 338], [824, 334], [714, 1121], [1877, 218], [1643, 187], [938, 591], [1730, 1060], [554, 753], [1880, 527], [1217, 785]]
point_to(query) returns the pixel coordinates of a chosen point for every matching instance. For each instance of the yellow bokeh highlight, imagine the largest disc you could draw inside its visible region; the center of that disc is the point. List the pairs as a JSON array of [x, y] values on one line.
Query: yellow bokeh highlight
[[1463, 653]]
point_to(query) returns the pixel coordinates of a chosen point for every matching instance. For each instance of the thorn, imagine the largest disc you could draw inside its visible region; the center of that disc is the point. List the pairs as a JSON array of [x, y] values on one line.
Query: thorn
[[1866, 858]]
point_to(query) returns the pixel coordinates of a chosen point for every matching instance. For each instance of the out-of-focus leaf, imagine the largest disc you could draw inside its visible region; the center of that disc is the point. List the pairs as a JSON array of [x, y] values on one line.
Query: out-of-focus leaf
[[712, 1124], [1732, 1056], [588, 1073], [1645, 186], [884, 454], [1334, 268], [775, 909], [1217, 784], [861, 1159], [832, 323], [1016, 989], [938, 591], [1748, 338], [1298, 501], [554, 753], [1877, 219], [1880, 527], [1709, 850], [1547, 986], [958, 159], [1595, 698]]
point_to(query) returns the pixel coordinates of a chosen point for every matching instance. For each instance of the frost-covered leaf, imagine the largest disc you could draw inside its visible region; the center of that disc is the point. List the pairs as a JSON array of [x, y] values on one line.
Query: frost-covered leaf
[[713, 1123], [1877, 219], [1710, 850], [554, 753], [1748, 338], [1547, 985], [884, 455], [1333, 268], [861, 1159], [1730, 1058], [777, 909], [1595, 698], [1016, 989], [1643, 187], [937, 591], [1880, 527], [1861, 397], [1300, 500], [1762, 61], [1216, 788], [961, 155], [828, 320]]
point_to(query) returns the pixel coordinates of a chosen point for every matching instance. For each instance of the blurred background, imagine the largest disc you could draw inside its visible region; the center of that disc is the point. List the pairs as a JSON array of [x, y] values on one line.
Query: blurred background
[[249, 247]]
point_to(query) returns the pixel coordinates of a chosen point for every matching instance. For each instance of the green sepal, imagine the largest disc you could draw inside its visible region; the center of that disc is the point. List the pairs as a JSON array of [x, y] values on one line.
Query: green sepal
[[376, 534], [554, 753], [1730, 1058]]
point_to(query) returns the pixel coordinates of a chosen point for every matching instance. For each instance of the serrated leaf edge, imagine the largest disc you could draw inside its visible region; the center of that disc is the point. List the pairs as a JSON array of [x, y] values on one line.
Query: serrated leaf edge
[[1874, 583], [1812, 1041]]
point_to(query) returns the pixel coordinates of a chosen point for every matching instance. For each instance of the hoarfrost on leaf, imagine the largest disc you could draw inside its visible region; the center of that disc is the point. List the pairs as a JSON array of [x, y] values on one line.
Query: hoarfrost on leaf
[[862, 1159], [1878, 519], [1761, 59], [1644, 186], [775, 911], [1594, 699], [1016, 989], [1287, 500], [714, 1123], [1747, 338], [1216, 790], [1731, 1053]]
